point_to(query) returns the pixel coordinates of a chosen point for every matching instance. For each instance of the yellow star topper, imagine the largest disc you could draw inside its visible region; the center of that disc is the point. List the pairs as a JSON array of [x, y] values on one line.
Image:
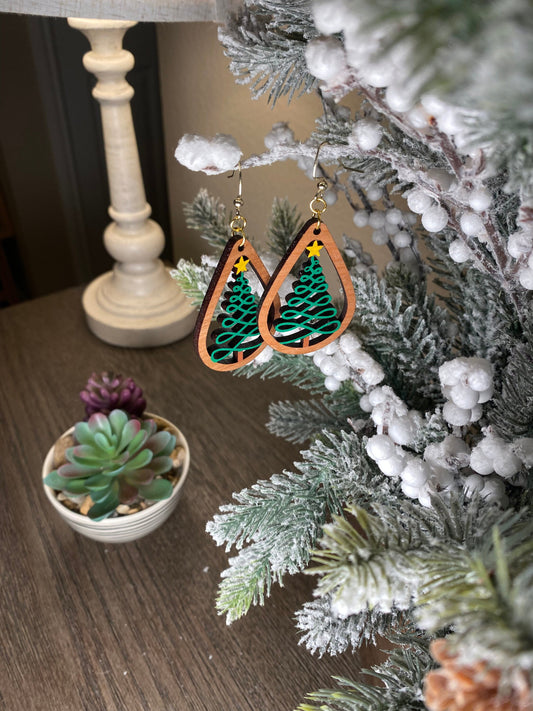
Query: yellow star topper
[[240, 266], [314, 249]]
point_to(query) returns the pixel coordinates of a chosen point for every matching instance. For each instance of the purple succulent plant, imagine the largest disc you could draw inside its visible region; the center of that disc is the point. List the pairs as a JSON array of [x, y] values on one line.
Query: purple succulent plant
[[105, 392]]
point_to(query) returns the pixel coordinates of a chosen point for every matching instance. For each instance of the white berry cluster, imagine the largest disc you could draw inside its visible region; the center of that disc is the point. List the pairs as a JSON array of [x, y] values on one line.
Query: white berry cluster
[[359, 261], [520, 246], [391, 224], [450, 119], [466, 384], [361, 45], [490, 488], [493, 460], [434, 217], [387, 224], [471, 223], [493, 454], [453, 455], [447, 465], [343, 359], [397, 426], [391, 415], [366, 53]]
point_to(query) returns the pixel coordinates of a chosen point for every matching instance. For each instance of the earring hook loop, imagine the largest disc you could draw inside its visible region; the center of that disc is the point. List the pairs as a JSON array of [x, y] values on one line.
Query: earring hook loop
[[239, 195], [238, 223], [315, 164], [318, 205]]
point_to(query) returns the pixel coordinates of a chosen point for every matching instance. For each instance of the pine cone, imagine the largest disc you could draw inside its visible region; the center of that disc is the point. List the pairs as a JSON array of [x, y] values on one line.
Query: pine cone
[[459, 687], [106, 392]]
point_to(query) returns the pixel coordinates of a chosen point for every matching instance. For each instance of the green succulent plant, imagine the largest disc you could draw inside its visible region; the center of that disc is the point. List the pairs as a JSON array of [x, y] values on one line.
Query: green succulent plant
[[116, 461]]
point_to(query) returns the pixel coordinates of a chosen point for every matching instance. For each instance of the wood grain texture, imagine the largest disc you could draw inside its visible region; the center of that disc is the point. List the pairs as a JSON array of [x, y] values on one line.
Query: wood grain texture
[[133, 627], [307, 235]]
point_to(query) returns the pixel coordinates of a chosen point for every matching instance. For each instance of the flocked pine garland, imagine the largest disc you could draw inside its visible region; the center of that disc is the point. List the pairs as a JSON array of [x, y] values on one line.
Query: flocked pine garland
[[412, 503]]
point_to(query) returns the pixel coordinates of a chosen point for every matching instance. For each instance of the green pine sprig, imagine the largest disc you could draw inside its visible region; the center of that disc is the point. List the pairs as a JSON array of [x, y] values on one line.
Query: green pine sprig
[[276, 523], [207, 215], [406, 331], [285, 223], [326, 632], [392, 686]]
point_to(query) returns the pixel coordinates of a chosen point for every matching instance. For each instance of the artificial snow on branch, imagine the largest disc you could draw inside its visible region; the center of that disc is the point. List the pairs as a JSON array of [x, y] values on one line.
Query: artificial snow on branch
[[413, 500]]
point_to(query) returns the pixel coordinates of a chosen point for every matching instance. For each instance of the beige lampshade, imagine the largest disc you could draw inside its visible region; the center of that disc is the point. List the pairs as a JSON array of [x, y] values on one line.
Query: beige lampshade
[[139, 10]]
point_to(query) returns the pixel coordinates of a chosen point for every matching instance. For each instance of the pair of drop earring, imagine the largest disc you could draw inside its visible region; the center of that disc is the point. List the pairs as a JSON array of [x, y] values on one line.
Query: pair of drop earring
[[308, 319]]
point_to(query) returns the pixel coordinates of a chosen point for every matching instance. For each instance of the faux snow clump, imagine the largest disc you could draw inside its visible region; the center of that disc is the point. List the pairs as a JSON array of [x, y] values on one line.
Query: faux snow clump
[[326, 60], [333, 16], [209, 155], [355, 595], [366, 134], [343, 359], [281, 134], [466, 384]]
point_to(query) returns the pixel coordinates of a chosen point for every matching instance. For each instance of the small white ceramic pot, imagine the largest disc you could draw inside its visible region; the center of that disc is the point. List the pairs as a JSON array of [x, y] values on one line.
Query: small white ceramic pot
[[121, 529]]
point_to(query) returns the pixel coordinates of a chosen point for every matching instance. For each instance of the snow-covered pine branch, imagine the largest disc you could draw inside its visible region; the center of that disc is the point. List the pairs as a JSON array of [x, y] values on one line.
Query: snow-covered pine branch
[[423, 410]]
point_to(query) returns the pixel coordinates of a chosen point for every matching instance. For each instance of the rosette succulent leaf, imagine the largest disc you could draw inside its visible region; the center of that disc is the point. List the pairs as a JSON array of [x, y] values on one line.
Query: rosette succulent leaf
[[105, 392], [117, 460]]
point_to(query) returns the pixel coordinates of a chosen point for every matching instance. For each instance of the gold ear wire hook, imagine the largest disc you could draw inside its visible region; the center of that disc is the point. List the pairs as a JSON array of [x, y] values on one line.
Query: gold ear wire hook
[[315, 164], [238, 223], [318, 205], [240, 178]]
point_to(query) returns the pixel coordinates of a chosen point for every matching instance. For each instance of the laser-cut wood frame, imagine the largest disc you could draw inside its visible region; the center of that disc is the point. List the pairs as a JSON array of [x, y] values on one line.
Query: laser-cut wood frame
[[232, 251], [265, 318]]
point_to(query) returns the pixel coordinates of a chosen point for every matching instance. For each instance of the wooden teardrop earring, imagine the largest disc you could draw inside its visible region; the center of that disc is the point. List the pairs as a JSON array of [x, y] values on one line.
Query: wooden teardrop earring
[[237, 340], [309, 319]]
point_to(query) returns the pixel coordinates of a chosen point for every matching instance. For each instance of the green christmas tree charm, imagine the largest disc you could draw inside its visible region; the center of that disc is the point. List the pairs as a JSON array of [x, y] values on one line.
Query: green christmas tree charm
[[309, 309], [238, 332], [237, 339], [308, 320]]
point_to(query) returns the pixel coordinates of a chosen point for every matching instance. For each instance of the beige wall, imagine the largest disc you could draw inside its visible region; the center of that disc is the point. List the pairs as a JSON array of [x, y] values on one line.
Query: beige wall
[[199, 95]]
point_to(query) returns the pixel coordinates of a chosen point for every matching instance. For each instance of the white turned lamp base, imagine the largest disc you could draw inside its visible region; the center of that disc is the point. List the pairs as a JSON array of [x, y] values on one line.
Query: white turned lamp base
[[137, 304], [137, 321]]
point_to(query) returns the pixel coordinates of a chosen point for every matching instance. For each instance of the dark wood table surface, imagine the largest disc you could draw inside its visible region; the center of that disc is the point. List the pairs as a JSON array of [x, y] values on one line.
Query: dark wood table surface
[[131, 627]]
